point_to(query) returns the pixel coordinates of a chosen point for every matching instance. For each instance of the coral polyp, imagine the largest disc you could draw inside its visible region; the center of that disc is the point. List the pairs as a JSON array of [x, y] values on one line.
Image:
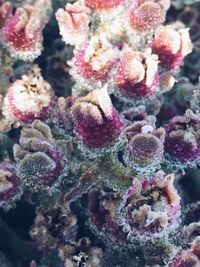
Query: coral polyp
[[145, 149], [182, 139], [30, 88], [137, 75], [171, 45], [99, 133], [97, 123], [144, 215], [40, 162]]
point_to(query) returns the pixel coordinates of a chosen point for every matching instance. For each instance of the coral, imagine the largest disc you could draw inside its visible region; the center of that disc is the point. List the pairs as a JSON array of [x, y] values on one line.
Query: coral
[[147, 15], [23, 40], [94, 60], [97, 122], [5, 12], [73, 23], [137, 76], [189, 257], [171, 45], [81, 253], [99, 133], [40, 162], [150, 209], [103, 207]]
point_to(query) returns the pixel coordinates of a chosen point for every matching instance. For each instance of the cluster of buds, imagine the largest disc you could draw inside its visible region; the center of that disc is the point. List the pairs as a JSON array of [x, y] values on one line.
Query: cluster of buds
[[150, 209], [102, 143], [40, 161], [31, 89], [10, 186], [106, 52]]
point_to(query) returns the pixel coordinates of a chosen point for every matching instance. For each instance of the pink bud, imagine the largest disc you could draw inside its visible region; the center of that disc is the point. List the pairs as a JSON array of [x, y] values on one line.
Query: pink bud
[[23, 33], [97, 122], [171, 46], [94, 60], [30, 89], [136, 76], [145, 15], [73, 23]]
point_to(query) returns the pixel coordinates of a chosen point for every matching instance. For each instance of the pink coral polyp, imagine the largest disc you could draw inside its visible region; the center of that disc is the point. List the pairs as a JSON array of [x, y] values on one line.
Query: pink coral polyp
[[85, 69], [150, 210], [136, 77], [171, 46], [73, 23], [97, 124], [136, 90], [188, 257], [32, 89], [95, 60], [146, 15], [23, 33], [96, 136]]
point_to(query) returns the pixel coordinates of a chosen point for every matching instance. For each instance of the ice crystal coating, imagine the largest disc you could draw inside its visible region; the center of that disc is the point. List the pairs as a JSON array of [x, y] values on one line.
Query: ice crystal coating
[[40, 162], [182, 138], [136, 77], [10, 186], [145, 145], [171, 45], [145, 15], [188, 257], [73, 23], [97, 122], [22, 33], [31, 89], [150, 209], [5, 12]]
